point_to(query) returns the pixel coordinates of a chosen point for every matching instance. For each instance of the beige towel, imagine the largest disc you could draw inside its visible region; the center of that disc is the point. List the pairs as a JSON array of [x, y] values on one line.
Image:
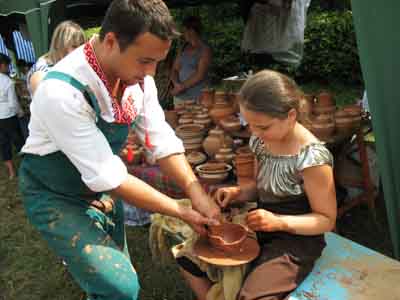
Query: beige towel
[[227, 280]]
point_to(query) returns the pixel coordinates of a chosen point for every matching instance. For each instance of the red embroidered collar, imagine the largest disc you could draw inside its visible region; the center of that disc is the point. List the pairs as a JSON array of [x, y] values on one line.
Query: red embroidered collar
[[124, 113]]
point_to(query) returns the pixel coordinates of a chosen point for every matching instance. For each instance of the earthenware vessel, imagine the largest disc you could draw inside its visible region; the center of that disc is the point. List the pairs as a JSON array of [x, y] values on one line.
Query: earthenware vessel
[[325, 99], [213, 172], [225, 154], [215, 139], [207, 98], [220, 109], [230, 123], [227, 237], [195, 158]]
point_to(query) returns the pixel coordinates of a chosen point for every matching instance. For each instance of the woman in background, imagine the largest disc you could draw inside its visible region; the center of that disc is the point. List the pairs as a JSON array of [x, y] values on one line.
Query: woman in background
[[190, 68], [66, 37]]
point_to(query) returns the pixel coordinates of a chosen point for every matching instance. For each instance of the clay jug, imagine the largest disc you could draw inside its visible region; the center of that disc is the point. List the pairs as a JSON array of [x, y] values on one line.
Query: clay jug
[[221, 109], [215, 139], [207, 98]]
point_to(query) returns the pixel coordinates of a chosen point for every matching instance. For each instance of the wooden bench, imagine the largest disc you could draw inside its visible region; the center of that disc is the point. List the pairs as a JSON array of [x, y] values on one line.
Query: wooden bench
[[347, 270]]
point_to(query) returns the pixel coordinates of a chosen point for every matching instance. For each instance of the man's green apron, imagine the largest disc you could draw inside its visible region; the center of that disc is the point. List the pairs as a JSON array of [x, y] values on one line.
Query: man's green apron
[[57, 202]]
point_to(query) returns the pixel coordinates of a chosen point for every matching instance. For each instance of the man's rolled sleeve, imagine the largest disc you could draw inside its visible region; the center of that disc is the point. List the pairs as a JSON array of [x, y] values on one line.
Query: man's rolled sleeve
[[152, 120], [111, 173]]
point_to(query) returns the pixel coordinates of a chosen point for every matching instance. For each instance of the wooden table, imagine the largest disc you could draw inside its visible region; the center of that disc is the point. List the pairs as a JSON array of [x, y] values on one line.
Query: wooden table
[[349, 173]]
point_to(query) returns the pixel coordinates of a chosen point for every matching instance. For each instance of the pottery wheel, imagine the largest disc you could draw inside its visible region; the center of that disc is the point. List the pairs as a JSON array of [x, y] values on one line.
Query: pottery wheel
[[207, 253]]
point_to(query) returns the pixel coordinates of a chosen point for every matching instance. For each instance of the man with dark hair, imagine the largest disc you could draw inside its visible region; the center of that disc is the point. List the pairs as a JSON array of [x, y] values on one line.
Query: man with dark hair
[[80, 115], [10, 110]]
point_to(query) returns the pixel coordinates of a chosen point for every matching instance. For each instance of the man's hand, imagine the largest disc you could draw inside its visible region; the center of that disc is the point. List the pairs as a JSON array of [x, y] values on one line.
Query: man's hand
[[195, 220], [206, 206]]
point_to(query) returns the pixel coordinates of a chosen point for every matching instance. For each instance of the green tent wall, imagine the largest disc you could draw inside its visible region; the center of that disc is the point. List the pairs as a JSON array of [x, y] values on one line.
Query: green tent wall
[[376, 24], [37, 15]]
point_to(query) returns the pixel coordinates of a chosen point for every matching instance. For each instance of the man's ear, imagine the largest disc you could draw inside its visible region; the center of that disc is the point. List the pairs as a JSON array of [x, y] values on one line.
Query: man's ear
[[110, 41]]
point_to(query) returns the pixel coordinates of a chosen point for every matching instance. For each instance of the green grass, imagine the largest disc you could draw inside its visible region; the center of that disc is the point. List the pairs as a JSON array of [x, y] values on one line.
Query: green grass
[[30, 271]]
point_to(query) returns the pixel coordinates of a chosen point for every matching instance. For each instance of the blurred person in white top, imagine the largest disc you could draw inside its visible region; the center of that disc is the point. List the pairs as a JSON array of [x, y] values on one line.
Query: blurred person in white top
[[10, 110]]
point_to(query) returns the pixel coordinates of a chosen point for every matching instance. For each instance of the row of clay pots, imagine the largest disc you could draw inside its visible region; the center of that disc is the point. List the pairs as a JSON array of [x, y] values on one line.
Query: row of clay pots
[[342, 121], [192, 136], [244, 162], [209, 98]]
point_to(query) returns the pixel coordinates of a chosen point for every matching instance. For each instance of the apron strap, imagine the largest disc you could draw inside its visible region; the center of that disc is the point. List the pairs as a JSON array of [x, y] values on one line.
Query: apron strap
[[84, 89]]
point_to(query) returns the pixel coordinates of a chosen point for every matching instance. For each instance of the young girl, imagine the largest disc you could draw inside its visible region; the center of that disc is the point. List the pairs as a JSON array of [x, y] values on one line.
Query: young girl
[[294, 188]]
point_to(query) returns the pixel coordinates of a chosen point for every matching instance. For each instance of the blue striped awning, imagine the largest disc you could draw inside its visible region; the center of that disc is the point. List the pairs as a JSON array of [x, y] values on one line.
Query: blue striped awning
[[4, 50], [24, 48]]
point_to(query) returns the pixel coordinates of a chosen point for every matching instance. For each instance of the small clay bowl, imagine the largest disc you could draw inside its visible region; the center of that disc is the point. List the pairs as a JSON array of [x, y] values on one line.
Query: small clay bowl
[[227, 237]]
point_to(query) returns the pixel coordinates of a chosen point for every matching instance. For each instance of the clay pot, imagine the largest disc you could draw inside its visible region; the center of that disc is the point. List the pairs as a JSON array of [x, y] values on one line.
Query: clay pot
[[244, 152], [207, 98], [203, 119], [190, 131], [325, 99], [323, 118], [230, 124], [318, 109], [234, 98], [171, 117], [195, 158], [225, 154], [185, 120], [244, 162], [221, 109], [353, 110], [215, 139], [347, 124], [213, 172], [192, 147], [220, 96], [227, 237], [323, 131]]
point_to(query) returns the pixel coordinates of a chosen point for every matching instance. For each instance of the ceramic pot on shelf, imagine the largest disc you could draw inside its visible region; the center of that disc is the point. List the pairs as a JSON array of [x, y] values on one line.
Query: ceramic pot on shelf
[[207, 98], [231, 123], [215, 139], [244, 162], [220, 110], [325, 99], [225, 154], [203, 119], [196, 158], [213, 172]]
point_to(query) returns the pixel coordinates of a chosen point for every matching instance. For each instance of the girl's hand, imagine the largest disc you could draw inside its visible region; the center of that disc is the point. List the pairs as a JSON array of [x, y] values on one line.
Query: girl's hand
[[225, 195], [264, 220]]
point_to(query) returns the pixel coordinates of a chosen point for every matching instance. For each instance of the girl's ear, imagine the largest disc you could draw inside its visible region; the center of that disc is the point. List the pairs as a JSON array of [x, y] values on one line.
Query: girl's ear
[[292, 115]]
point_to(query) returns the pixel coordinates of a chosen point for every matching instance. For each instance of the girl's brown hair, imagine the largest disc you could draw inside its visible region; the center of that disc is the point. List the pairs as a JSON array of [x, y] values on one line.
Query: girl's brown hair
[[271, 93]]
